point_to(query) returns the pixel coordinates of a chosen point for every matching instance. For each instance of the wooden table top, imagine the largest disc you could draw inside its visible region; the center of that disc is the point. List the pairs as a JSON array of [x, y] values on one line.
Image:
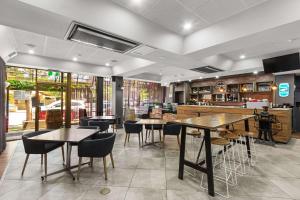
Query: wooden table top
[[213, 121], [66, 135], [111, 117], [151, 121]]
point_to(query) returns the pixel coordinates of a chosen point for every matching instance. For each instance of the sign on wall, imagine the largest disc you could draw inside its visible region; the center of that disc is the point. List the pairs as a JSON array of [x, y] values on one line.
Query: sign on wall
[[284, 89]]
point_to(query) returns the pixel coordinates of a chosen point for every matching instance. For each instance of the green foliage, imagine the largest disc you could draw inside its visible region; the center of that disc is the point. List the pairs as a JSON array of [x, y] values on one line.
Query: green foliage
[[21, 85]]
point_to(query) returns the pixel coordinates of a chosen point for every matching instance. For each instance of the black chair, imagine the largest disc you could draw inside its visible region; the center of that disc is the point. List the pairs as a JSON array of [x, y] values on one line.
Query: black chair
[[84, 121], [98, 147], [40, 147], [172, 129], [132, 128], [103, 125]]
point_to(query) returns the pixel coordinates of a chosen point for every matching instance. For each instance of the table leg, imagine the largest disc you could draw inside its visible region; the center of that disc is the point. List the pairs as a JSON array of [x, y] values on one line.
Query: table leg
[[209, 165], [247, 138], [152, 134], [182, 152]]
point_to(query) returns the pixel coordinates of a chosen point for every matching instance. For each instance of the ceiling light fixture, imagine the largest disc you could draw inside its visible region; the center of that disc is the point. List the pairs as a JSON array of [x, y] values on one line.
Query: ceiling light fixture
[[178, 80], [137, 2], [200, 77], [242, 56], [31, 51], [107, 64], [75, 59], [187, 26], [217, 77], [255, 72]]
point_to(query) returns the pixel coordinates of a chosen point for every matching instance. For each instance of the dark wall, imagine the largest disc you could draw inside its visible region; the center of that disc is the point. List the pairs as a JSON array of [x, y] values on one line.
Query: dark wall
[[118, 100], [287, 78], [2, 106]]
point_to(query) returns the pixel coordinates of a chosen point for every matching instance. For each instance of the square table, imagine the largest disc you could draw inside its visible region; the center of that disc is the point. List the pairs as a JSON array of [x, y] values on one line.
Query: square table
[[68, 135], [110, 118], [151, 122], [208, 123]]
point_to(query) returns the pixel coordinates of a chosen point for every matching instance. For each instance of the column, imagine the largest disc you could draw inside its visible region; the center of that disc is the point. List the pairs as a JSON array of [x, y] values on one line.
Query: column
[[68, 101], [117, 98], [2, 106], [99, 96]]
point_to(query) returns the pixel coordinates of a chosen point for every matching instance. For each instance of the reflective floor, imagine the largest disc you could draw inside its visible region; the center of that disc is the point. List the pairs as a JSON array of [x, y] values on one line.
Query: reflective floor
[[151, 173]]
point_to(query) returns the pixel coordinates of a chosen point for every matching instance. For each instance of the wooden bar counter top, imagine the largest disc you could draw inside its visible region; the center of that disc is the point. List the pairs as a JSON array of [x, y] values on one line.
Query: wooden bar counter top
[[284, 115]]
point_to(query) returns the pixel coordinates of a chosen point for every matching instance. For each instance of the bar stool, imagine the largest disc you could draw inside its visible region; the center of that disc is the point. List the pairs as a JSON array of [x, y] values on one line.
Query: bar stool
[[229, 172], [195, 134], [251, 135], [235, 139]]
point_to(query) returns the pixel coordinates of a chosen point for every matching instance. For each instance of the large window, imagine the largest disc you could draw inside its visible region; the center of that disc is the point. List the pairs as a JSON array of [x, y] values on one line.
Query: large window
[[138, 94], [107, 96], [26, 83]]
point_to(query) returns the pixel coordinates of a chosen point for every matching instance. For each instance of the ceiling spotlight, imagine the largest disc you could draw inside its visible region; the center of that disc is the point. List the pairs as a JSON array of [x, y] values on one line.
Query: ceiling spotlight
[[200, 77], [31, 51], [255, 72], [187, 26], [190, 80], [178, 80], [290, 40], [107, 64], [75, 59], [242, 56], [217, 77], [137, 2]]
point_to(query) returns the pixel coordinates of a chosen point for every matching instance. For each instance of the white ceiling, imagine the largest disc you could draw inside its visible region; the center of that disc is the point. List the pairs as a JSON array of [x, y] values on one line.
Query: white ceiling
[[224, 29], [172, 14], [62, 49]]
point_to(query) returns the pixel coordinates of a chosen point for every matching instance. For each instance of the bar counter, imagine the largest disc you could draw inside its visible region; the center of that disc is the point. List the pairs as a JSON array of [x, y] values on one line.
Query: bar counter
[[284, 115]]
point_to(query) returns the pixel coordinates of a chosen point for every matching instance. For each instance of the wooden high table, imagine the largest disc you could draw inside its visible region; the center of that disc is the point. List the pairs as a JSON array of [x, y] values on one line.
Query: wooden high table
[[208, 123], [68, 135]]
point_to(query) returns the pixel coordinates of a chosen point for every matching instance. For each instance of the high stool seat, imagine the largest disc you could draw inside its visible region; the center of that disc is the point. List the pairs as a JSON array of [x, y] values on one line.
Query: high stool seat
[[223, 161]]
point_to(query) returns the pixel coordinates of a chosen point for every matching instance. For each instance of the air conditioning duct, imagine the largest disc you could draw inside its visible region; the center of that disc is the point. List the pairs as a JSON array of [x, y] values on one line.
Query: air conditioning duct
[[99, 38]]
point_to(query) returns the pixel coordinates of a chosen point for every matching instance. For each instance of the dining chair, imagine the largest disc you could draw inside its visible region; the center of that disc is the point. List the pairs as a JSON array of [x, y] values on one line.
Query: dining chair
[[39, 147], [84, 121], [97, 147], [132, 128], [103, 125], [171, 129]]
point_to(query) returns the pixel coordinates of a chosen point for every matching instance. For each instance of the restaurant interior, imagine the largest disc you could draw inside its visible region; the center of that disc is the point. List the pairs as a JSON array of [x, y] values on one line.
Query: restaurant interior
[[149, 99]]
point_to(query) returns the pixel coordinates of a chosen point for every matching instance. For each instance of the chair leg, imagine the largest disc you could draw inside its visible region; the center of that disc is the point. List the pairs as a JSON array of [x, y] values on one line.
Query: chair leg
[[104, 165], [139, 140], [142, 137], [128, 138], [79, 166], [164, 138], [112, 160], [160, 135], [178, 141], [42, 159], [26, 159], [63, 153], [125, 139], [91, 161], [146, 136], [45, 157]]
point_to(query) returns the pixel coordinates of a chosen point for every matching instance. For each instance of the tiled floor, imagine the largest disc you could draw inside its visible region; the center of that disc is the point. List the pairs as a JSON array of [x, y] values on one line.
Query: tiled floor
[[6, 155], [151, 173]]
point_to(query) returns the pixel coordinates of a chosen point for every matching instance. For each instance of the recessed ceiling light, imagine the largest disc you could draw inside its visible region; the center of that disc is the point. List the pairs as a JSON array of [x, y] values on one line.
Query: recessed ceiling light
[[290, 40], [255, 72], [75, 59], [31, 51], [187, 26], [107, 64], [242, 56], [136, 1], [217, 77], [178, 80], [190, 80], [200, 77]]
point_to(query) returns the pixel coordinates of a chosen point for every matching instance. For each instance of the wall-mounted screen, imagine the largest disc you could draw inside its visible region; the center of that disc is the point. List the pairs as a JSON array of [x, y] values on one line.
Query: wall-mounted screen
[[284, 89]]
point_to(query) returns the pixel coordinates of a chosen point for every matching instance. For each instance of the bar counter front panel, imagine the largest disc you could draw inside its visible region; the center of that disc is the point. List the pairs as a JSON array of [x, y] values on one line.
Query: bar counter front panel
[[284, 115]]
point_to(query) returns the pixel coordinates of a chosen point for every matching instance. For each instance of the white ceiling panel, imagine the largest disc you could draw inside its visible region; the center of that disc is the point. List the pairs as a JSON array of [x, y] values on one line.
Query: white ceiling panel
[[172, 14]]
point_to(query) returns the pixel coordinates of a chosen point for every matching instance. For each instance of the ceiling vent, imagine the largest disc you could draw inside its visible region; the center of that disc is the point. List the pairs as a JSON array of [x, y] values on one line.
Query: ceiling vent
[[99, 38], [142, 50], [206, 69]]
